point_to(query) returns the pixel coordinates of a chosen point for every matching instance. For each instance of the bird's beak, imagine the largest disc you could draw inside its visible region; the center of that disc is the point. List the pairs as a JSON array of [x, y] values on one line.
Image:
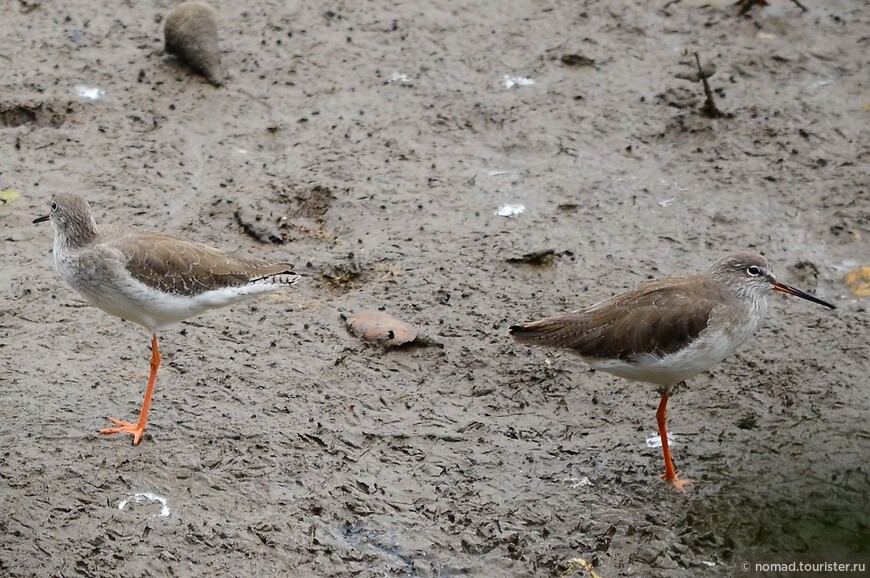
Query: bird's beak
[[798, 293], [42, 219]]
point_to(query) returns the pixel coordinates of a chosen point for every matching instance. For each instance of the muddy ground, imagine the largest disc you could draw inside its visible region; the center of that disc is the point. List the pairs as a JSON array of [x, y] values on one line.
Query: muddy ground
[[372, 144]]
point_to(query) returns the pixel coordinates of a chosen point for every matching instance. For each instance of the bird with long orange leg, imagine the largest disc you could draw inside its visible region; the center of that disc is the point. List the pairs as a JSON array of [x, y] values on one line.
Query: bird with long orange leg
[[152, 279], [667, 330]]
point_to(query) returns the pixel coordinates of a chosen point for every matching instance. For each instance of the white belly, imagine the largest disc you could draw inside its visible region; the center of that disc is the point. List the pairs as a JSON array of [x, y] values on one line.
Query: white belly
[[107, 285], [711, 347]]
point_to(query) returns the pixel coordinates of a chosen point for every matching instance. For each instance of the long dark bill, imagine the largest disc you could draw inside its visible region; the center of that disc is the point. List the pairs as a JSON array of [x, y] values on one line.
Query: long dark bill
[[42, 219], [798, 293]]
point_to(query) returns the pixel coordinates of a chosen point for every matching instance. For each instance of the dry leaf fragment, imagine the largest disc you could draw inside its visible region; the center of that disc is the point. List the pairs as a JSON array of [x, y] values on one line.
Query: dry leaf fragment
[[577, 60], [858, 281]]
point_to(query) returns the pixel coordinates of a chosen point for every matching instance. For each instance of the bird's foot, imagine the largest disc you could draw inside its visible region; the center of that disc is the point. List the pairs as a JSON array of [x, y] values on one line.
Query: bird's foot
[[677, 482], [125, 427]]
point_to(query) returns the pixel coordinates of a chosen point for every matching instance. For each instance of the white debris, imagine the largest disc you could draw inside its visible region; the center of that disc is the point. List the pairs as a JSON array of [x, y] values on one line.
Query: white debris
[[147, 497], [510, 210], [820, 84], [654, 441], [511, 81], [667, 202], [400, 77], [89, 92], [579, 482]]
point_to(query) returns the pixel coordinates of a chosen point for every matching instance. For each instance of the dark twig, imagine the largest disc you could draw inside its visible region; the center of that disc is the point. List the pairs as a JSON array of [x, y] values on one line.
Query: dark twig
[[709, 109], [746, 5]]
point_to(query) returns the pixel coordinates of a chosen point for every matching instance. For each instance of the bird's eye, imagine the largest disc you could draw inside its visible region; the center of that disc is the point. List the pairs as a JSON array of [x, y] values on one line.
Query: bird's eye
[[753, 271], [53, 206]]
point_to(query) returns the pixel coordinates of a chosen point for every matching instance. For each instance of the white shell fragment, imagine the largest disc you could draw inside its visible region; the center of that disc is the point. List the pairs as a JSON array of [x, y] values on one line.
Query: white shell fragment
[[146, 497], [89, 92], [654, 441], [510, 81], [400, 78], [510, 210]]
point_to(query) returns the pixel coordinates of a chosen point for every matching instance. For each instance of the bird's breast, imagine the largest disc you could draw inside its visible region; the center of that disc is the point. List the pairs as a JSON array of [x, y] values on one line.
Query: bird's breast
[[724, 334]]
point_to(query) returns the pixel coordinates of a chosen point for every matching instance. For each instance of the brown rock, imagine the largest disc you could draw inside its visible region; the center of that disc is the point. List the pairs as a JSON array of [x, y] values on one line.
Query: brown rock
[[191, 35]]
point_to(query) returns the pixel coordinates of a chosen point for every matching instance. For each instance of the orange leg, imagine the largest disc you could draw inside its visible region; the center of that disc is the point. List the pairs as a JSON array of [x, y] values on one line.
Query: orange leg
[[670, 473], [138, 428]]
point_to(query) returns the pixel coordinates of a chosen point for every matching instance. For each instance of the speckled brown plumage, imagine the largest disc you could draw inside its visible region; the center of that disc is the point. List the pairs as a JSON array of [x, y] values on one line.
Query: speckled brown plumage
[[186, 268]]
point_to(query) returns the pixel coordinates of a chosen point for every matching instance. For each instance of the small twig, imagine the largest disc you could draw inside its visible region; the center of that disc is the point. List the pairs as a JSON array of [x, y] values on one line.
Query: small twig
[[746, 5], [709, 109]]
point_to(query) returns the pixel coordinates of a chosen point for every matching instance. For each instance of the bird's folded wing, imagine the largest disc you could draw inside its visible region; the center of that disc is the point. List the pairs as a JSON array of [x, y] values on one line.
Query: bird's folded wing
[[172, 265], [654, 319]]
